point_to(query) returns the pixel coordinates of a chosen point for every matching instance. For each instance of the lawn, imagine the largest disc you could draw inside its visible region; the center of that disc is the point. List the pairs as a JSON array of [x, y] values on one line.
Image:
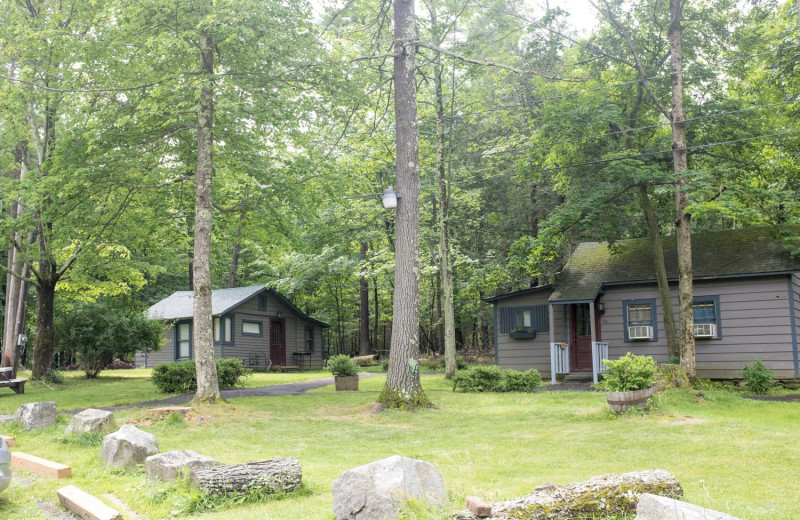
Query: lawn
[[729, 453]]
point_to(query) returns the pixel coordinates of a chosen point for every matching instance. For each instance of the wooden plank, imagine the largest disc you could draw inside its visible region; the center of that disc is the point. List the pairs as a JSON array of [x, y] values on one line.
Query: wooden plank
[[40, 466], [478, 507], [85, 505], [9, 440]]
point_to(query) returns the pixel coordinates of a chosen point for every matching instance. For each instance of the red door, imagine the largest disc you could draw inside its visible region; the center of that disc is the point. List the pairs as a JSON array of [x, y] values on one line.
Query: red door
[[580, 355], [277, 341]]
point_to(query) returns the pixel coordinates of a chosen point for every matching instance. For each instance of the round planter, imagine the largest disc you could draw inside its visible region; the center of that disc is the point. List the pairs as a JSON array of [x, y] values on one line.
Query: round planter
[[345, 383], [618, 402]]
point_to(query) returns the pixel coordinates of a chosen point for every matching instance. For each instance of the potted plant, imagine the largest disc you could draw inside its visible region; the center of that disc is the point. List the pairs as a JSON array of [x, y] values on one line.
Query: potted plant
[[629, 381], [523, 333], [345, 372]]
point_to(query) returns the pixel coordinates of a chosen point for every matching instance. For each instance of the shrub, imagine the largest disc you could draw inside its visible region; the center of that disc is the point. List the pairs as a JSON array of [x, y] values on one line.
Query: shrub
[[489, 378], [385, 365], [342, 366], [629, 373], [99, 332], [461, 363], [669, 375], [758, 377], [180, 376]]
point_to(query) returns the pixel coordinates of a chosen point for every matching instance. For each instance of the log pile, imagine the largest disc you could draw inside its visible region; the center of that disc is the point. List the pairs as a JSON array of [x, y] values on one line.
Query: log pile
[[268, 476]]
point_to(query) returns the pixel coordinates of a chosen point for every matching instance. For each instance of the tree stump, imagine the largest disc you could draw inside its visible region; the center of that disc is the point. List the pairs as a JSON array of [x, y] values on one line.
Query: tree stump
[[269, 476]]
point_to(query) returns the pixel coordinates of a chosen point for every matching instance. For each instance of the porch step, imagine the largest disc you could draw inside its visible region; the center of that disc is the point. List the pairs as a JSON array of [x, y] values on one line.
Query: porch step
[[575, 377]]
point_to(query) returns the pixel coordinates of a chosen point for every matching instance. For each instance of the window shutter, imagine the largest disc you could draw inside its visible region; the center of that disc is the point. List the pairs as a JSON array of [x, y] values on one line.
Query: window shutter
[[505, 319], [539, 319]]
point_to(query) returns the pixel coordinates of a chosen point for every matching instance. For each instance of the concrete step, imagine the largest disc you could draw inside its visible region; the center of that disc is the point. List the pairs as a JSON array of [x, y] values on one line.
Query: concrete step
[[574, 377]]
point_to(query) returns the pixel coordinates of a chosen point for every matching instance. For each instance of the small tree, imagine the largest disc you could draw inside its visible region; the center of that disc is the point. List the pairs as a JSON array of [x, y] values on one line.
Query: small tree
[[99, 332]]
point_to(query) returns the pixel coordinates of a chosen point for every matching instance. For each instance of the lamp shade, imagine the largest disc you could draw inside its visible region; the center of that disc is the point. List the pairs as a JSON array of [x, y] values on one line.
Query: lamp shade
[[389, 198]]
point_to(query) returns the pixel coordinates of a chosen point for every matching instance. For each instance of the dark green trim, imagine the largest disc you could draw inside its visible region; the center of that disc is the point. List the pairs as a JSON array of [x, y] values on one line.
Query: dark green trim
[[571, 302], [717, 314], [260, 328], [793, 317], [313, 331], [492, 299], [496, 334], [176, 348], [653, 318], [702, 278], [536, 317]]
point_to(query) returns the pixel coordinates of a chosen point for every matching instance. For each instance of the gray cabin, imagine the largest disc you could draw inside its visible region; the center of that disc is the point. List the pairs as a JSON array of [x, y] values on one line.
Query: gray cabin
[[255, 324], [605, 303]]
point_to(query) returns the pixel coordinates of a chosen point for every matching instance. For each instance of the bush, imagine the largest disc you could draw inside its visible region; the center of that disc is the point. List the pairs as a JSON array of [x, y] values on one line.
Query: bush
[[385, 365], [97, 333], [629, 373], [489, 378], [758, 377], [461, 363], [342, 366], [180, 376]]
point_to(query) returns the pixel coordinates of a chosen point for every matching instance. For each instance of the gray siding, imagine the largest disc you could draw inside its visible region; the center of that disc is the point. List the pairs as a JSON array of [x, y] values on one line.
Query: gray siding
[[524, 354], [754, 321], [244, 345], [796, 297]]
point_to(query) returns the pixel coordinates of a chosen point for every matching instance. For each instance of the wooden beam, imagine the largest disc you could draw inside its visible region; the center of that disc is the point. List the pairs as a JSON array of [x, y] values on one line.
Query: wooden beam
[[85, 505], [40, 466], [170, 409], [9, 440]]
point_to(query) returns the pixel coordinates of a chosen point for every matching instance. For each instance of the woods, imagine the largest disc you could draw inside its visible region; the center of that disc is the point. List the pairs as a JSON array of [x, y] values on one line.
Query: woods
[[150, 148]]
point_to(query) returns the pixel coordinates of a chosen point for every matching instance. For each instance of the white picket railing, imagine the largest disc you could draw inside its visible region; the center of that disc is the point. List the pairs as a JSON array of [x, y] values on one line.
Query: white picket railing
[[559, 360], [599, 353]]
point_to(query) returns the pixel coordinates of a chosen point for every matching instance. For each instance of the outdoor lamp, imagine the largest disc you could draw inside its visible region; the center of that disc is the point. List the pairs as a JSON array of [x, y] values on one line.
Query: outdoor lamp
[[390, 198], [601, 307]]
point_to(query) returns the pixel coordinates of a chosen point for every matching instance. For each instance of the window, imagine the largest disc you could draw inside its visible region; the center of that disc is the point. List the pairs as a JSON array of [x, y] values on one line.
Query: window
[[522, 319], [183, 340], [251, 328], [533, 317], [640, 320], [705, 314], [223, 330], [262, 302], [309, 339]]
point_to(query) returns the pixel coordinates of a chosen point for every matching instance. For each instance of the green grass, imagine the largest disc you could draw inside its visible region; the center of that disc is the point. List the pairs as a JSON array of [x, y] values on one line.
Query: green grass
[[734, 455]]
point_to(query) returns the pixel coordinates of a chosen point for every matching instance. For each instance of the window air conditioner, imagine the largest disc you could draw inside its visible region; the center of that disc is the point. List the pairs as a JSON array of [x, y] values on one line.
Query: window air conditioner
[[705, 330], [640, 332]]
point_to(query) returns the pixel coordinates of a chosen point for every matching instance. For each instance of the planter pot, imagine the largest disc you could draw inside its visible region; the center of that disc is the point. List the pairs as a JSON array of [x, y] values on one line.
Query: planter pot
[[346, 383], [528, 334], [618, 402]]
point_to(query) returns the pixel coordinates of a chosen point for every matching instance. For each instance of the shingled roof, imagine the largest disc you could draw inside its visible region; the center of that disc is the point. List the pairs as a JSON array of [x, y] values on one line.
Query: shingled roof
[[720, 254]]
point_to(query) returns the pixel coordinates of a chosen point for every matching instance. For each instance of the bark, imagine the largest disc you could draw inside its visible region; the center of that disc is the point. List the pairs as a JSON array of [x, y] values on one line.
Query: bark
[[207, 384], [237, 249], [363, 289], [534, 222], [445, 269], [16, 290], [377, 318], [682, 216], [403, 388], [269, 476], [673, 348], [45, 305]]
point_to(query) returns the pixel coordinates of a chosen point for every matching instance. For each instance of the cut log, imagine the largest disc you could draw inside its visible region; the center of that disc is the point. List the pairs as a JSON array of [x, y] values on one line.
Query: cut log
[[40, 466], [10, 442], [85, 505], [269, 476], [478, 507], [166, 410]]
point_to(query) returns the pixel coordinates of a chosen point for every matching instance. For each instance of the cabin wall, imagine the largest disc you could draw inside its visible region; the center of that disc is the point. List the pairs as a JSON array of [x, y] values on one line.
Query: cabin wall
[[524, 354], [795, 289], [165, 355], [754, 320]]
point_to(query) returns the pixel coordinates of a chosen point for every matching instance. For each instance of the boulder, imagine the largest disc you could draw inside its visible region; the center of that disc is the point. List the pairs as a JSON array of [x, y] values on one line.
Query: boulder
[[91, 420], [37, 415], [598, 497], [128, 446], [378, 490], [654, 507], [174, 464], [5, 465]]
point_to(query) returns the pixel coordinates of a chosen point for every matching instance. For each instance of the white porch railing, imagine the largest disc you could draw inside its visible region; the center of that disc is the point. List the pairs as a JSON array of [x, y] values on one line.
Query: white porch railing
[[599, 353], [559, 360]]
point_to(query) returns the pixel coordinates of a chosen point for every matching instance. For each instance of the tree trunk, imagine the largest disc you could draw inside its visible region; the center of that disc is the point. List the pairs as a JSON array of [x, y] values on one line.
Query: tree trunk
[[363, 310], [237, 249], [403, 388], [656, 246], [269, 476], [45, 310], [682, 217], [203, 345]]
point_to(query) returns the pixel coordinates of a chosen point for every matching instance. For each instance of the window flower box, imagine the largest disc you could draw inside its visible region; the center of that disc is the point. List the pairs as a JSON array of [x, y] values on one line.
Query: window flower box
[[522, 334]]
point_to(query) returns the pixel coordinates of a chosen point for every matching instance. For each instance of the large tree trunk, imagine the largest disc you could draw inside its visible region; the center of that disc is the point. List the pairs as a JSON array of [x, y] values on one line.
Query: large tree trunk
[[203, 344], [45, 311], [269, 476], [403, 388], [363, 310], [682, 216], [237, 250]]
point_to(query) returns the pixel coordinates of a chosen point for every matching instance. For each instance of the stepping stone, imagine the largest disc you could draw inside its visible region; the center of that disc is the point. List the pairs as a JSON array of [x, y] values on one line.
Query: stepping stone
[[91, 420], [40, 466], [85, 505], [174, 464]]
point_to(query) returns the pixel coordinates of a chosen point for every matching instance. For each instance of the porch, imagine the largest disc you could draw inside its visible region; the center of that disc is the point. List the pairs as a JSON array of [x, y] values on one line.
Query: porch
[[581, 350]]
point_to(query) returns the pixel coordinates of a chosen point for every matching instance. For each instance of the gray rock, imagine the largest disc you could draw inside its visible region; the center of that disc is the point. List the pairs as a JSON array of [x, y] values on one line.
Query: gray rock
[[173, 464], [37, 415], [5, 465], [91, 420], [128, 446], [378, 490], [654, 507]]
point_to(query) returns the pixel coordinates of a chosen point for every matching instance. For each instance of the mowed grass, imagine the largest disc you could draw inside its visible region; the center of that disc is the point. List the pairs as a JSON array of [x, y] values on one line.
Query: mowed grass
[[119, 387], [729, 453]]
